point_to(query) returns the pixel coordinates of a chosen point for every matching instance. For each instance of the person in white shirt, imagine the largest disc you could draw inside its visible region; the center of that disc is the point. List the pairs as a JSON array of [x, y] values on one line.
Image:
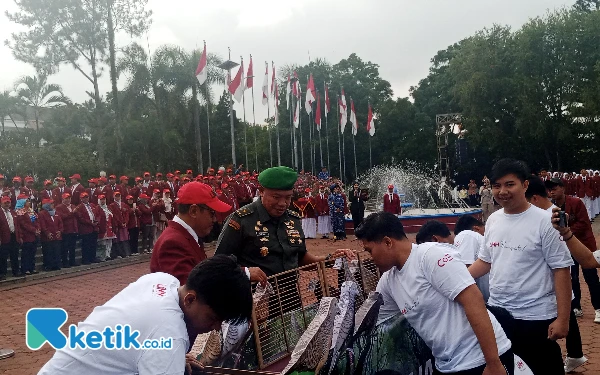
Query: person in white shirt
[[537, 195], [468, 238], [434, 291], [158, 307], [529, 270]]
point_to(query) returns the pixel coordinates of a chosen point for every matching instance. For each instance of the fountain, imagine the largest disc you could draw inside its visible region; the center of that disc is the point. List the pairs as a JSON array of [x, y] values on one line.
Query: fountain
[[424, 195]]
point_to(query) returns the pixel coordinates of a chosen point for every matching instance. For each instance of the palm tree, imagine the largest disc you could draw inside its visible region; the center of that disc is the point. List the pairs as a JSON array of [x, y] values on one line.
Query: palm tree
[[37, 93], [8, 107]]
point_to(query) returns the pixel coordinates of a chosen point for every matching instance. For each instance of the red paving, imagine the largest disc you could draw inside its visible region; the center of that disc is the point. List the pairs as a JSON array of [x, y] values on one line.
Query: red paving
[[80, 294]]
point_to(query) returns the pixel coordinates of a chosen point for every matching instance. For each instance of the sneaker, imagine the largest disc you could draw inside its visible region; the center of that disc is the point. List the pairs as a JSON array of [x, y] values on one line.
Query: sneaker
[[578, 313], [597, 318], [572, 363]]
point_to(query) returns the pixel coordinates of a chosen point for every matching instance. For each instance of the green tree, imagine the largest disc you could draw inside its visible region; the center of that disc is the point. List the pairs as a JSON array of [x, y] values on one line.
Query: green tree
[[8, 107]]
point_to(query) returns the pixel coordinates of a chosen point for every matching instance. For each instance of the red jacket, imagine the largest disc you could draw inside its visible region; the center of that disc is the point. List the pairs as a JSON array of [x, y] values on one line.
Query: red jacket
[[50, 226], [68, 217], [135, 193], [585, 188], [57, 195], [27, 230], [147, 212], [392, 206], [121, 214], [13, 195], [134, 218], [223, 197], [5, 230], [75, 194], [106, 191], [47, 194], [84, 224], [306, 207], [579, 222], [321, 204], [93, 194], [176, 252]]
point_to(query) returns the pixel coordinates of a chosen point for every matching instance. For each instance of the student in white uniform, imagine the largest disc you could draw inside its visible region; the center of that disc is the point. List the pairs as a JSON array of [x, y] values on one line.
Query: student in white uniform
[[468, 238], [438, 297], [537, 195], [157, 306], [529, 270]]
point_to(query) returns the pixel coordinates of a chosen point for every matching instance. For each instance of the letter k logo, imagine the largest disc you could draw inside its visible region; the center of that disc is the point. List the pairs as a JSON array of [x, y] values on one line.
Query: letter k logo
[[43, 325]]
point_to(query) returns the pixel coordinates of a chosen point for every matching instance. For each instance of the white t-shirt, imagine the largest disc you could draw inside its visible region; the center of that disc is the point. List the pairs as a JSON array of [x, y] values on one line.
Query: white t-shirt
[[149, 305], [424, 291], [523, 249], [597, 255], [469, 244]]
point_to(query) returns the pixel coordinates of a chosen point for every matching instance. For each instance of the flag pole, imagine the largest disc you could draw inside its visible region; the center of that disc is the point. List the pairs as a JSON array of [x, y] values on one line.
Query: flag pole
[[254, 121], [354, 126], [320, 130], [276, 95], [299, 103], [292, 129], [244, 109], [370, 153], [326, 126], [338, 133], [208, 127], [268, 117], [232, 128]]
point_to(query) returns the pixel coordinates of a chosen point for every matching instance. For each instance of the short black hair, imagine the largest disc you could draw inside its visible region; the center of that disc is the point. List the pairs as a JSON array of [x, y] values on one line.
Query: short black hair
[[536, 187], [430, 229], [507, 166], [222, 284], [379, 225], [183, 208], [466, 222]]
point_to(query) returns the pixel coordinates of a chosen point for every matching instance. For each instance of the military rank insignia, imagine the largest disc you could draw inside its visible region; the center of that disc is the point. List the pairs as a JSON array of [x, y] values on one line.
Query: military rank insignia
[[264, 251]]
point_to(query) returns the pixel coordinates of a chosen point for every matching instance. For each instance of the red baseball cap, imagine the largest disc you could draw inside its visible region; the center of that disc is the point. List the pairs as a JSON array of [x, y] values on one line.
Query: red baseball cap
[[76, 176], [307, 190], [189, 171], [103, 179], [28, 179], [144, 196], [224, 186], [170, 174], [186, 179], [166, 190], [138, 179], [229, 170], [178, 172], [390, 186], [117, 193], [101, 196], [66, 195], [93, 180], [159, 174], [199, 193], [123, 178], [16, 179], [129, 197], [84, 194], [1, 176], [146, 174], [47, 200], [156, 191], [5, 199], [47, 182], [112, 176], [22, 196]]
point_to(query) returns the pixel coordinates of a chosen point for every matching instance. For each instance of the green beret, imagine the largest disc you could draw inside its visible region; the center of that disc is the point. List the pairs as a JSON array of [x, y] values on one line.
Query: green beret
[[278, 178]]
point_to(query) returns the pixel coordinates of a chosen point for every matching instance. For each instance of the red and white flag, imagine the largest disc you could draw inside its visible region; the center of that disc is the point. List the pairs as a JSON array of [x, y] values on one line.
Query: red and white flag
[[265, 86], [297, 116], [296, 86], [318, 113], [343, 112], [327, 104], [273, 83], [370, 122], [353, 118], [236, 87], [310, 94], [288, 90], [250, 75], [202, 70]]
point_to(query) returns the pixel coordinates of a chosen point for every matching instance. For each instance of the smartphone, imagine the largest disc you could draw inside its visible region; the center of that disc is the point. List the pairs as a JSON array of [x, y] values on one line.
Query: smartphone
[[562, 219]]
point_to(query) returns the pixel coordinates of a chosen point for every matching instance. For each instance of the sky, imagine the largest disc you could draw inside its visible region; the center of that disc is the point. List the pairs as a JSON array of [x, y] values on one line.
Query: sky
[[400, 36]]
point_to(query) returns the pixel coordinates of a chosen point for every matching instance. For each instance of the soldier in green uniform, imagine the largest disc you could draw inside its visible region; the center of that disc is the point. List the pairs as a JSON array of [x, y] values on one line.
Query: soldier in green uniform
[[265, 236]]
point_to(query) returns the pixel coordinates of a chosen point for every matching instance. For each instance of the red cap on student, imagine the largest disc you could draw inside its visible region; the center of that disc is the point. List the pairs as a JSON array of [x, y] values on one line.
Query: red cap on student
[[144, 196], [199, 193], [47, 182], [5, 199], [66, 195], [124, 178], [22, 196], [117, 193], [101, 196], [83, 195], [156, 191], [76, 176], [129, 197], [390, 186], [112, 176], [307, 190], [47, 201]]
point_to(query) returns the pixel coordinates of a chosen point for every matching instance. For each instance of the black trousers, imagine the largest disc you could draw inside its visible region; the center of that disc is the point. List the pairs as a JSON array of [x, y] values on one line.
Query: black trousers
[[10, 249], [530, 342], [593, 282], [89, 243], [148, 233], [51, 253], [507, 359], [120, 248], [68, 249], [574, 345], [28, 250], [357, 217], [134, 235]]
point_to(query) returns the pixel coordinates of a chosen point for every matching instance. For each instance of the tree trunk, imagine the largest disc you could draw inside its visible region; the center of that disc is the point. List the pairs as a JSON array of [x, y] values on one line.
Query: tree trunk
[[37, 127], [113, 75]]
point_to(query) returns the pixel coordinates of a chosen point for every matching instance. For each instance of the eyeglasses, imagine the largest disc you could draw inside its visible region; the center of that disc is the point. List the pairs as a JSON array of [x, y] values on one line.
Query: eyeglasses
[[212, 212]]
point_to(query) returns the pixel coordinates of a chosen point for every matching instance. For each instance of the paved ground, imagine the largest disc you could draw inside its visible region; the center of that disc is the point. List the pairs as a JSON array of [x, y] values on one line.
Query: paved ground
[[80, 293]]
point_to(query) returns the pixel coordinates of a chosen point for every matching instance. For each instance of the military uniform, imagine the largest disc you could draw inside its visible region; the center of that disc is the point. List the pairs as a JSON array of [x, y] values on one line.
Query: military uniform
[[273, 244]]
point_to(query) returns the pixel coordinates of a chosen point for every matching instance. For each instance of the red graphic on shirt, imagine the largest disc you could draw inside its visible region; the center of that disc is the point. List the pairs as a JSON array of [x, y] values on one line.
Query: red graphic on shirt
[[159, 289], [495, 244], [442, 262], [520, 365]]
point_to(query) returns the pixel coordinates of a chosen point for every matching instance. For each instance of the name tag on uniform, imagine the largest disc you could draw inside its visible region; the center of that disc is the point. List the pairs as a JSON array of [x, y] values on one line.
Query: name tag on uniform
[[293, 233]]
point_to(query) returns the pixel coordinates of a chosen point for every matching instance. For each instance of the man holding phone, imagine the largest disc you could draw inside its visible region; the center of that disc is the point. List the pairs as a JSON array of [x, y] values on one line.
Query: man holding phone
[[581, 227]]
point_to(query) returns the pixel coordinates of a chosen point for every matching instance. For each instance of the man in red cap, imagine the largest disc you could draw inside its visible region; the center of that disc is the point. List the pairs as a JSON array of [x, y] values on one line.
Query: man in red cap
[[190, 174], [148, 219], [136, 190], [124, 186], [133, 224], [146, 184], [16, 190], [120, 211], [66, 211], [87, 224], [9, 233], [46, 192], [59, 190], [170, 184], [179, 249], [92, 190], [158, 183], [33, 194], [391, 202], [76, 189], [51, 228]]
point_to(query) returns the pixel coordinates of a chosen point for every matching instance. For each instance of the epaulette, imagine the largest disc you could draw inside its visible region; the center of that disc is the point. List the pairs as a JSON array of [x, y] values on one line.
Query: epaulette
[[294, 214], [244, 211]]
